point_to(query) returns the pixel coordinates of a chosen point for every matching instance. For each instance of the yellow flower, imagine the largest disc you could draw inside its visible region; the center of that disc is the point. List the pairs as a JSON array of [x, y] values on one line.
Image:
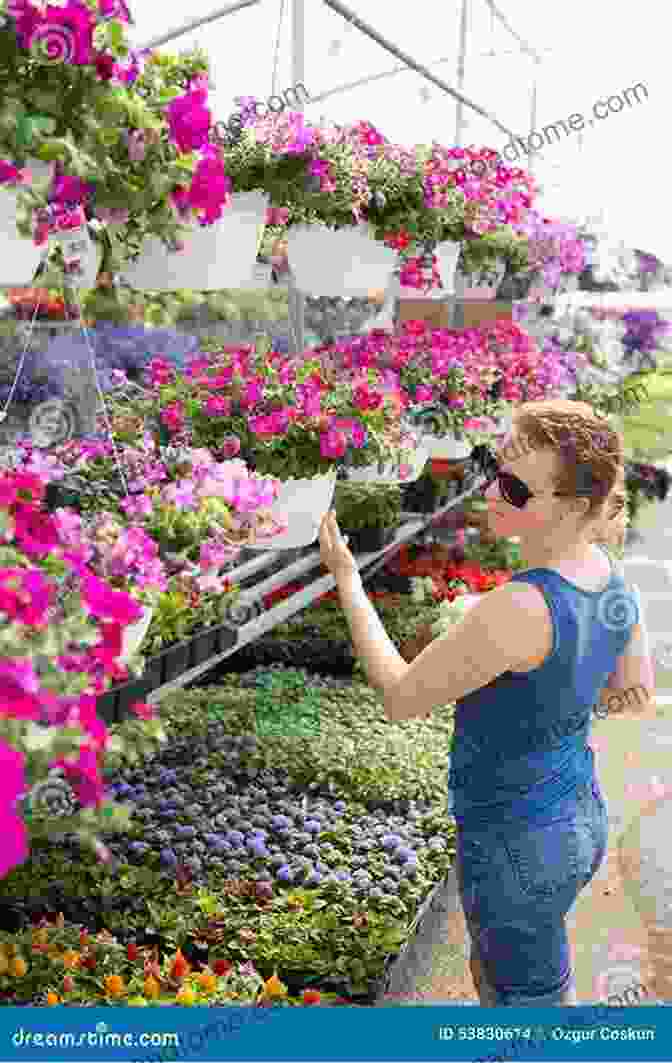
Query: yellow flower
[[18, 967], [114, 984], [207, 981], [273, 987], [152, 988], [186, 996], [4, 963], [71, 959], [53, 998]]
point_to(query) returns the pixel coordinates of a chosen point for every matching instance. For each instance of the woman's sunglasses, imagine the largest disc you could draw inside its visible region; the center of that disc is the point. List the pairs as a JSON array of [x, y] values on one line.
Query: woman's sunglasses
[[514, 491]]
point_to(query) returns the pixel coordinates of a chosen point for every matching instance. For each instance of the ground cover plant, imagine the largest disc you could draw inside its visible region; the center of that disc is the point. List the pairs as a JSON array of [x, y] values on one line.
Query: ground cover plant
[[306, 855]]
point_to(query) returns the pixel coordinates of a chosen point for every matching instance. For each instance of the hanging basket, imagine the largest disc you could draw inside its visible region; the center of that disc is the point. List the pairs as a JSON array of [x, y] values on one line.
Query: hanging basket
[[414, 460], [447, 448], [19, 257], [338, 261], [134, 635], [302, 504], [222, 255]]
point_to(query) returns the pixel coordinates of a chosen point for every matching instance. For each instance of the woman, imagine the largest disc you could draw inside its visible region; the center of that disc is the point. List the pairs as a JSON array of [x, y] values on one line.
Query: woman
[[525, 667]]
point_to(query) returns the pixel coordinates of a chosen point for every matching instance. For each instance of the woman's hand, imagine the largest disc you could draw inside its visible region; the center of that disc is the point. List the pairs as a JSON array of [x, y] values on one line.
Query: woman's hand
[[334, 553]]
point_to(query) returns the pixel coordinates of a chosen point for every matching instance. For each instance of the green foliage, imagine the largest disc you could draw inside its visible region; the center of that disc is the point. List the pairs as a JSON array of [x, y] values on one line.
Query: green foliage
[[367, 505]]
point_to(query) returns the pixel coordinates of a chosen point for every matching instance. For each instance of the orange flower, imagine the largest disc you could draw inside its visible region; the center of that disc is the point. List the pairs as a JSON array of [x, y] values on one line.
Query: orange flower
[[18, 967], [311, 996], [186, 996], [273, 987], [53, 998], [114, 984], [71, 960], [179, 967], [207, 981], [152, 988]]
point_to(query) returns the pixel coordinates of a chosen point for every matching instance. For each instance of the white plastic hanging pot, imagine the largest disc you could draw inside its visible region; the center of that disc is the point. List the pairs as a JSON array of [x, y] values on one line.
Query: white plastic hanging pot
[[215, 256], [447, 448], [19, 257], [134, 635], [338, 261], [391, 473], [301, 504]]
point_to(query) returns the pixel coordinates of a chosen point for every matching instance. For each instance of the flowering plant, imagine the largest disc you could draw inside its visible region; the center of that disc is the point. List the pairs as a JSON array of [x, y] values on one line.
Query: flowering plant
[[54, 59], [318, 173], [59, 648], [431, 194], [291, 418], [554, 248]]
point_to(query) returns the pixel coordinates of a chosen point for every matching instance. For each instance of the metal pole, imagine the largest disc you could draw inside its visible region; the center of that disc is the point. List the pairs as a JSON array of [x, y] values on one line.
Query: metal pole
[[524, 45], [459, 110], [296, 299], [350, 16], [533, 122], [196, 23]]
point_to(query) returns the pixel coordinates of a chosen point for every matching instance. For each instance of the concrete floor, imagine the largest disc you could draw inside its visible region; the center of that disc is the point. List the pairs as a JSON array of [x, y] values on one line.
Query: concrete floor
[[634, 763]]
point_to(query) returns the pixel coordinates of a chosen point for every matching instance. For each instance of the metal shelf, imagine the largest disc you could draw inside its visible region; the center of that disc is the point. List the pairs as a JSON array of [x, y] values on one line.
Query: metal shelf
[[368, 564]]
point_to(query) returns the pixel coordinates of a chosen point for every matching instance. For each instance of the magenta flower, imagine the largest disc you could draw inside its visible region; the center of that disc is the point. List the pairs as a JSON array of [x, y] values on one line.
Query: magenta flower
[[84, 776], [210, 188], [189, 120], [333, 444], [14, 848], [106, 604], [9, 174], [230, 446], [70, 190], [216, 406]]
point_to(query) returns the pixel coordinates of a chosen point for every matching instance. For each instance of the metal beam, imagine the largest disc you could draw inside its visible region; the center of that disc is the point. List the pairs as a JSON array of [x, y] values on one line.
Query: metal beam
[[196, 23], [523, 44], [351, 17]]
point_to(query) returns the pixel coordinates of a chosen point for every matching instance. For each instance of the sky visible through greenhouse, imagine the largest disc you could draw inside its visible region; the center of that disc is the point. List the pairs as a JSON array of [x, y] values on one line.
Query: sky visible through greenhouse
[[589, 51]]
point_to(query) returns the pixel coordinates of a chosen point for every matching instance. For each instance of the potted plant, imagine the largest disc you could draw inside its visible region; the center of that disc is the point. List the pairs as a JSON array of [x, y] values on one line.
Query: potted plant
[[369, 515], [423, 201], [322, 175], [293, 419]]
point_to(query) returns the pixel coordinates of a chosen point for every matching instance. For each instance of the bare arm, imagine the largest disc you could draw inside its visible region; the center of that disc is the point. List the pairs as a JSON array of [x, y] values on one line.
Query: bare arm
[[632, 686]]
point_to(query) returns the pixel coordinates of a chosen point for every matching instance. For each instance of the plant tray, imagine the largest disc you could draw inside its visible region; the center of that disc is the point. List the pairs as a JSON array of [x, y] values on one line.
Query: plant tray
[[171, 663]]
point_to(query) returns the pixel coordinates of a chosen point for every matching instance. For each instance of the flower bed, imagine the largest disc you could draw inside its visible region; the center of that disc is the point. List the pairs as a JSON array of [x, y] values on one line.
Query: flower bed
[[310, 861]]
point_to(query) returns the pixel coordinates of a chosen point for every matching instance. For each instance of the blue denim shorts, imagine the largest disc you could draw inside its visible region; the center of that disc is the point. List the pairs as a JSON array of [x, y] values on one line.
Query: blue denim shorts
[[517, 885]]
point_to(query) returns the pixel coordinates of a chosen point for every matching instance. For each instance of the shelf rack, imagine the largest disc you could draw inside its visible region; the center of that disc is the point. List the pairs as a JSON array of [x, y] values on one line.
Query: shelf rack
[[266, 620]]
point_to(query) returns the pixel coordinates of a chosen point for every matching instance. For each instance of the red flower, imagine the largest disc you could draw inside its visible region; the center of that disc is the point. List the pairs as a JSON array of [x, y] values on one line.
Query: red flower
[[310, 996], [132, 952], [145, 712], [222, 967]]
